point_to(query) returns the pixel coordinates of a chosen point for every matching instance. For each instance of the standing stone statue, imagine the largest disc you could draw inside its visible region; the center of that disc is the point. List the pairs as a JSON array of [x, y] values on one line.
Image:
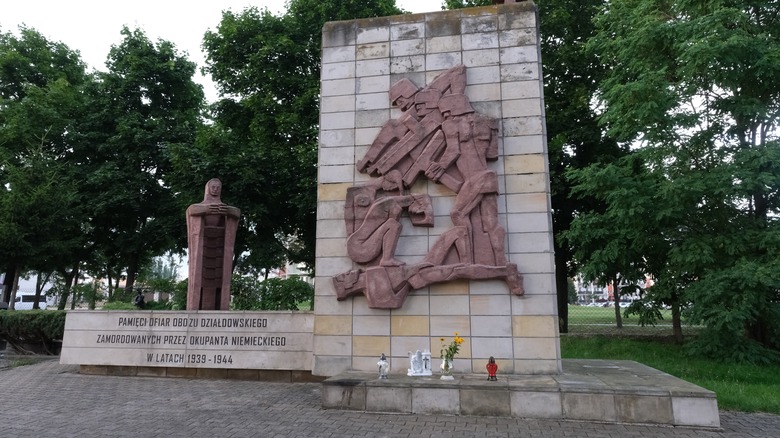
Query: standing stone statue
[[211, 235]]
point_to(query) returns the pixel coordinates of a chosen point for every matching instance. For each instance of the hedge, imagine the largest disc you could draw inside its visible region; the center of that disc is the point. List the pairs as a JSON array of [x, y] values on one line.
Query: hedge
[[29, 331]]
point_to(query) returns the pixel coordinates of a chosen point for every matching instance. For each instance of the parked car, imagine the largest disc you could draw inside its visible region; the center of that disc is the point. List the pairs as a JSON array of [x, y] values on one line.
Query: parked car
[[25, 301]]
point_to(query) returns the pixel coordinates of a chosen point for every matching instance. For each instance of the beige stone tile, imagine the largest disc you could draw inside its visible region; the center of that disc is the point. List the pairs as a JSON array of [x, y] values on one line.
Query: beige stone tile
[[441, 44], [535, 305], [535, 326], [449, 305], [416, 303], [372, 346], [333, 345], [491, 326], [401, 325], [330, 266], [331, 248], [540, 263], [528, 203], [338, 70], [491, 346], [374, 325], [536, 348], [336, 174], [524, 164], [333, 192], [455, 287], [332, 325], [447, 326], [528, 222], [537, 366], [524, 145], [539, 284], [489, 287], [526, 183], [530, 243], [333, 104], [518, 37], [520, 89], [402, 345], [490, 304]]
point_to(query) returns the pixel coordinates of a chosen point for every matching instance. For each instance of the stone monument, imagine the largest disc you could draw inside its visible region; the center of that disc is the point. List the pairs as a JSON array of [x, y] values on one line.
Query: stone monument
[[433, 193], [211, 234]]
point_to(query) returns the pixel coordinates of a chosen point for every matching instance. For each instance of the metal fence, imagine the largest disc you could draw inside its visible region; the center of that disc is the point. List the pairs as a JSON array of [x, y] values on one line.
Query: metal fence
[[599, 320]]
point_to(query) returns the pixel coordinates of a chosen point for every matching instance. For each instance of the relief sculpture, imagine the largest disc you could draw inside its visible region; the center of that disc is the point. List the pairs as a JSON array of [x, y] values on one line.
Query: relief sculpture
[[438, 136]]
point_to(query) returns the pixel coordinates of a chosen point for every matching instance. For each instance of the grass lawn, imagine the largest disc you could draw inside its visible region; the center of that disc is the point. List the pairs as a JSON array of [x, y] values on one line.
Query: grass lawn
[[584, 320], [740, 387]]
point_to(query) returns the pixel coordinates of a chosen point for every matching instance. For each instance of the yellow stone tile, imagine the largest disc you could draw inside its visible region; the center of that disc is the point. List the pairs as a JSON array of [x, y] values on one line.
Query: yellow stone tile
[[332, 325], [522, 164], [333, 192], [456, 287], [401, 325], [534, 326], [370, 345]]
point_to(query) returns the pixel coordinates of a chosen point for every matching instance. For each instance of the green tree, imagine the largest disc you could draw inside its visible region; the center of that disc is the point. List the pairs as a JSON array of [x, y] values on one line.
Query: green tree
[[41, 98], [263, 140], [692, 87], [144, 105]]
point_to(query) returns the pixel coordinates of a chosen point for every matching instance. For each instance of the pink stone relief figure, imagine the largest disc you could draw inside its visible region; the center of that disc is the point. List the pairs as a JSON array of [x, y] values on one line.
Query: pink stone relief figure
[[211, 235], [438, 136]]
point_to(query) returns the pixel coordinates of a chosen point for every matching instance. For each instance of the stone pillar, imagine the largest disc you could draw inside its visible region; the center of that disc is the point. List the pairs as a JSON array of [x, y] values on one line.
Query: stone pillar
[[499, 48]]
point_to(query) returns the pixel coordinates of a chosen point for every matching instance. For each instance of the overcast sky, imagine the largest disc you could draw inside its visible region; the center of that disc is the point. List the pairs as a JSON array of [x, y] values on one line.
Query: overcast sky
[[93, 26]]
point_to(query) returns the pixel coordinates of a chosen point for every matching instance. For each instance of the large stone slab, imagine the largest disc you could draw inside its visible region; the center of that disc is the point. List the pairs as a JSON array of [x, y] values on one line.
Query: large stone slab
[[183, 339], [587, 390]]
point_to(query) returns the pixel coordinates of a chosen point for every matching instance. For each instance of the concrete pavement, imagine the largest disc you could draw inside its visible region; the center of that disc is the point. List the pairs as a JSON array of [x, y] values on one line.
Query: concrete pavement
[[52, 400]]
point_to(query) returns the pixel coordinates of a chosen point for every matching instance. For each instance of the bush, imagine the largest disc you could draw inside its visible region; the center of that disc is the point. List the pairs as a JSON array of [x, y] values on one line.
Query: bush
[[119, 305], [272, 294], [22, 329]]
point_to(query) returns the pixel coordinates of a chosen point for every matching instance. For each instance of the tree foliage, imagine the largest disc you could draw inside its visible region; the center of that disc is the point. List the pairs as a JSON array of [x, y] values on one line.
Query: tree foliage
[[263, 140], [692, 87]]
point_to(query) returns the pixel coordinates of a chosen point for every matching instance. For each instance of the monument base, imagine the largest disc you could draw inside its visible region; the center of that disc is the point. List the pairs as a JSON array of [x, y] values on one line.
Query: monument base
[[588, 390]]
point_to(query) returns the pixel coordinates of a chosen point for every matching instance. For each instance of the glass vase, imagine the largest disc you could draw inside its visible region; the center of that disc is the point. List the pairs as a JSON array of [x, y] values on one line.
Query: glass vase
[[446, 369]]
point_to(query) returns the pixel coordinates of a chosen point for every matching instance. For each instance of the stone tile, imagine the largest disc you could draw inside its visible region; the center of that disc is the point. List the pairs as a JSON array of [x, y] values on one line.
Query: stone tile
[[373, 50], [378, 325], [486, 403], [338, 33], [490, 305], [536, 348], [338, 54], [528, 404], [332, 325], [344, 395], [402, 345], [442, 61], [456, 287], [407, 47], [339, 120], [522, 108], [335, 138], [212, 373], [371, 101], [406, 64], [484, 92], [372, 118], [446, 326], [409, 325], [407, 31], [528, 223], [372, 35], [450, 43], [484, 347], [383, 399], [491, 326], [331, 248], [479, 24], [449, 305], [530, 326], [643, 409], [519, 55], [338, 70], [337, 87], [537, 366], [372, 346], [483, 58], [332, 192], [417, 304], [530, 243], [690, 411], [593, 407], [526, 183], [528, 203], [433, 401], [373, 84], [520, 72], [517, 37], [372, 67], [517, 126], [477, 41], [525, 164], [524, 144], [332, 345]]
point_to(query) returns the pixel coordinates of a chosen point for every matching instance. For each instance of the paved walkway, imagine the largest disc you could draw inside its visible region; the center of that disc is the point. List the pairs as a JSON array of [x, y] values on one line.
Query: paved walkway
[[52, 400]]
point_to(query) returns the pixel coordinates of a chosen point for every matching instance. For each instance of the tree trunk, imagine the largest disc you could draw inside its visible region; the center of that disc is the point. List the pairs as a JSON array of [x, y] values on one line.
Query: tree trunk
[[8, 282], [562, 286], [14, 289], [616, 297], [93, 297], [68, 277], [40, 282], [676, 321], [131, 272], [110, 290]]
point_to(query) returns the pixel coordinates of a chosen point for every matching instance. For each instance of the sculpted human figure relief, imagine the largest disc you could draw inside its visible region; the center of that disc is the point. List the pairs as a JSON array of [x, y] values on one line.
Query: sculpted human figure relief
[[438, 136], [211, 235]]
